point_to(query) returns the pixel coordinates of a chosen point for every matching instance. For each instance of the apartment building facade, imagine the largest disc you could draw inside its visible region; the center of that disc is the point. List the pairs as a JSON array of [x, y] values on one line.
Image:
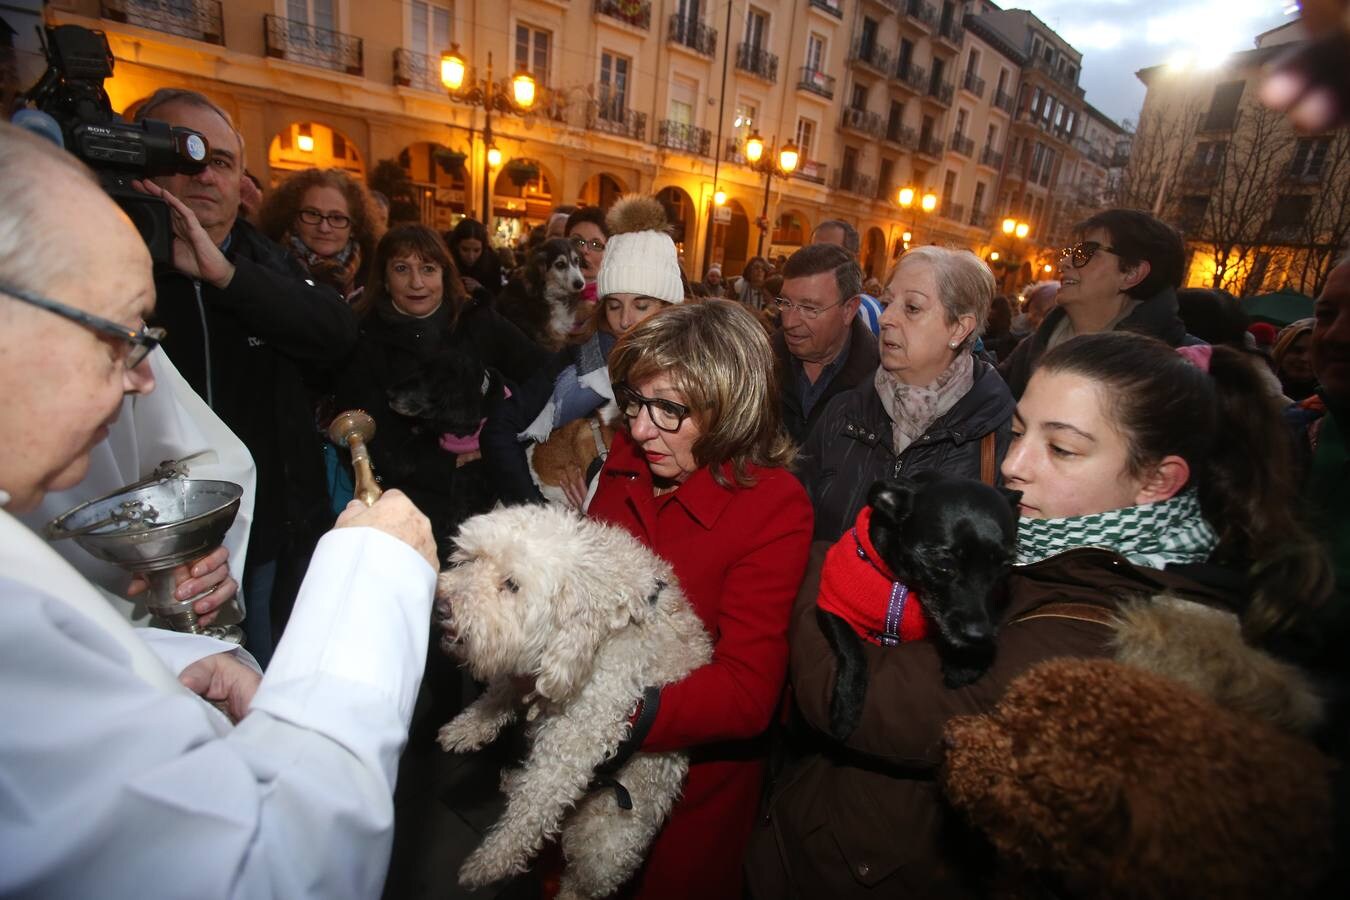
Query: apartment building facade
[[635, 95]]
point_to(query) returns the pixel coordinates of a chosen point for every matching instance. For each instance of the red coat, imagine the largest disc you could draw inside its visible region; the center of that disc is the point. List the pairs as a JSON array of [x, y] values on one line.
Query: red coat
[[740, 554]]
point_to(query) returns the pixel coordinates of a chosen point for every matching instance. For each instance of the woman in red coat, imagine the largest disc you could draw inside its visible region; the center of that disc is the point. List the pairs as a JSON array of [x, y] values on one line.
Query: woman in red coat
[[700, 478]]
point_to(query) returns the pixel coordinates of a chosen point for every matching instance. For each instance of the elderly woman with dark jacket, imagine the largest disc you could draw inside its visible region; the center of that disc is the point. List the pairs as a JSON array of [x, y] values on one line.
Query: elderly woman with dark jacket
[[932, 404]]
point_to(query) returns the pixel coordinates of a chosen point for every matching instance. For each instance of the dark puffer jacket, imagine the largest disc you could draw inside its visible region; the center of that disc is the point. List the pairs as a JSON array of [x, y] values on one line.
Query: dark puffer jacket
[[863, 359], [851, 446]]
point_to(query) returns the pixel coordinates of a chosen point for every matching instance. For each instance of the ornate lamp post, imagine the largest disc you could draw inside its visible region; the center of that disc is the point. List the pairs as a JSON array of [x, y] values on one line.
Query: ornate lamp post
[[1015, 230], [784, 163], [516, 97], [915, 201]]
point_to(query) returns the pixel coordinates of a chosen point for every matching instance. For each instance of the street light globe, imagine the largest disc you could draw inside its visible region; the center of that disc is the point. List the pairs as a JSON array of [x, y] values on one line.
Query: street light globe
[[452, 69], [719, 197], [789, 157], [304, 139], [523, 88], [1048, 268], [906, 198], [993, 256], [906, 237], [929, 202], [1022, 229], [1009, 225], [754, 147], [494, 157]]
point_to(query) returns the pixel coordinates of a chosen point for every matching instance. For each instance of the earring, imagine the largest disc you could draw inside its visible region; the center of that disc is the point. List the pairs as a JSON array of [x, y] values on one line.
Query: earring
[[952, 345]]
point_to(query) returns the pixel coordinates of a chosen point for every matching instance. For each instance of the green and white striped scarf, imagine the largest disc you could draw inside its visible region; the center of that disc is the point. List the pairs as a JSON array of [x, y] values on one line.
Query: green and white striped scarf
[[1154, 535]]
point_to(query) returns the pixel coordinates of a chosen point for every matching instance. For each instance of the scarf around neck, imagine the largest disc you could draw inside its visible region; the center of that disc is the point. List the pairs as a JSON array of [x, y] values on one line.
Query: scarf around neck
[[912, 409], [337, 271], [1154, 535]]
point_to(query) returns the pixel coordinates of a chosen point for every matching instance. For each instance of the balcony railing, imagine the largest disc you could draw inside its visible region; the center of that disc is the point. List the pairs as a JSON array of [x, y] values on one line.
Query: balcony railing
[[1004, 101], [942, 92], [973, 83], [855, 182], [637, 13], [951, 31], [1201, 174], [872, 54], [954, 211], [913, 77], [679, 136], [200, 20], [921, 12], [988, 157], [832, 7], [301, 42], [812, 171], [963, 145], [750, 58], [902, 134], [863, 121], [816, 82], [413, 69], [929, 146], [609, 113], [689, 32], [980, 218]]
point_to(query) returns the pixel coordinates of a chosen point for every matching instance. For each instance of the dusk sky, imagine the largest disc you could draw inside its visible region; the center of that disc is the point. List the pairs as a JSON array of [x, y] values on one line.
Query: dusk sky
[[1119, 37]]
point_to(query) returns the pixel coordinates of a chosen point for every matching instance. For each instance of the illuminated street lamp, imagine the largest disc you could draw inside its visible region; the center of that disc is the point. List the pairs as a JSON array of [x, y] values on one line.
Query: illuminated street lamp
[[719, 197], [914, 199], [782, 164], [491, 96]]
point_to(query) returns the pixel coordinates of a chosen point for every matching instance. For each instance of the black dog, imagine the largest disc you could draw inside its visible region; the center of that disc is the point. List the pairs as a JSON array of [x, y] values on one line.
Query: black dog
[[543, 303], [449, 395], [949, 540]]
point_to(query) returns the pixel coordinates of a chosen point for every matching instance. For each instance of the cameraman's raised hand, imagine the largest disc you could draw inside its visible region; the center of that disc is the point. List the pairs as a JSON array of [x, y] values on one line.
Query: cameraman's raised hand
[[194, 253]]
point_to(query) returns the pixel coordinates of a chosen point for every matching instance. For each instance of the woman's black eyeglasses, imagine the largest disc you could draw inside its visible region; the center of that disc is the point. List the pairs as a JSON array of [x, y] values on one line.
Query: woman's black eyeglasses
[[667, 415], [581, 244], [142, 340], [334, 220], [1081, 253]]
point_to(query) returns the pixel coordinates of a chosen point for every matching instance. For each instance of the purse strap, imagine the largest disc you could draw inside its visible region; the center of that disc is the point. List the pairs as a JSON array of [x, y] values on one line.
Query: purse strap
[[988, 474]]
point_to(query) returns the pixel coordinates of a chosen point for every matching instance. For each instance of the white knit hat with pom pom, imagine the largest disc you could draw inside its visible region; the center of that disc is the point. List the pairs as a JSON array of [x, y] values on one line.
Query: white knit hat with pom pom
[[640, 256]]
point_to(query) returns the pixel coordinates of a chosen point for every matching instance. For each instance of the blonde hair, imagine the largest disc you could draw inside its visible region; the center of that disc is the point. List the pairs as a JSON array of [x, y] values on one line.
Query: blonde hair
[[718, 357], [965, 284]]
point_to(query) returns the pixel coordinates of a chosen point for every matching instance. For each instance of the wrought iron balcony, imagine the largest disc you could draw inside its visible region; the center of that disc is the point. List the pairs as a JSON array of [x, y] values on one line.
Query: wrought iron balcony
[[903, 135], [688, 31], [990, 158], [980, 218], [930, 146], [913, 77], [942, 92], [963, 145], [301, 42], [609, 114], [973, 83], [816, 82], [832, 7], [951, 31], [811, 170], [1057, 74], [863, 121], [1004, 101], [412, 69], [750, 58], [637, 13], [921, 12], [870, 53], [679, 136], [954, 211], [855, 182], [200, 20]]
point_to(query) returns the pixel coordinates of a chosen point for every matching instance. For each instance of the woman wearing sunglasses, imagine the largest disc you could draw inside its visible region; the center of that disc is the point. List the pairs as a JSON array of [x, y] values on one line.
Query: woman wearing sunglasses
[[699, 477], [328, 223], [1157, 526], [1120, 274]]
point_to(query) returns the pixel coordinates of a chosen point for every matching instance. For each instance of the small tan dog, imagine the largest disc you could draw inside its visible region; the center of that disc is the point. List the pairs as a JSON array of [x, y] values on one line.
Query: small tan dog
[[598, 622], [571, 448]]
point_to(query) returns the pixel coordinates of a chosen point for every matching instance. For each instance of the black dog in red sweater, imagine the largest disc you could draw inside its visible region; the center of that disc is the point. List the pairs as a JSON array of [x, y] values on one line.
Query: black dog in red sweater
[[923, 560]]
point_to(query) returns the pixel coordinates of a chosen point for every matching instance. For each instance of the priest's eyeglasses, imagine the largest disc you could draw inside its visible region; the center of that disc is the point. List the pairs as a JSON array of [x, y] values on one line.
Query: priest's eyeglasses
[[142, 340]]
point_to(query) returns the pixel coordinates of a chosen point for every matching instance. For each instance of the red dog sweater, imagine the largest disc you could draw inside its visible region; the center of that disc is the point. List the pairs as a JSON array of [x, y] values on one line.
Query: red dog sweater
[[858, 587]]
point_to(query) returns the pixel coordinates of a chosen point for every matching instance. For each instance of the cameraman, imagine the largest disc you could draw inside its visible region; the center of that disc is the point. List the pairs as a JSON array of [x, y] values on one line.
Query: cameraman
[[247, 329]]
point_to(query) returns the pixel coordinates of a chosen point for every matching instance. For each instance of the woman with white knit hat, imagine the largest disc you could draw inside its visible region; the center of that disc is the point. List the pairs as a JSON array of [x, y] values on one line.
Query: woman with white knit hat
[[639, 275]]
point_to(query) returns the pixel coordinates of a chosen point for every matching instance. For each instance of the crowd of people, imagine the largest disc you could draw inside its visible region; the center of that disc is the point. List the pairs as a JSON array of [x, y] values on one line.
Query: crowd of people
[[1161, 456]]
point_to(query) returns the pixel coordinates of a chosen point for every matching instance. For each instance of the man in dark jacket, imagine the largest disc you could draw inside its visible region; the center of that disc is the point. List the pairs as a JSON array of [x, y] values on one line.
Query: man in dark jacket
[[245, 326], [822, 347], [1122, 274]]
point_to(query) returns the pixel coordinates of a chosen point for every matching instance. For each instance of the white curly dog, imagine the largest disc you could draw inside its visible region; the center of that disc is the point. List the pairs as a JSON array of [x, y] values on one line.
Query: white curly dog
[[595, 619]]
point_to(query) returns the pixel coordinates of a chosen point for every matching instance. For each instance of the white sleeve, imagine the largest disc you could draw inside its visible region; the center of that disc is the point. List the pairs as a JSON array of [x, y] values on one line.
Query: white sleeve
[[178, 651], [110, 787]]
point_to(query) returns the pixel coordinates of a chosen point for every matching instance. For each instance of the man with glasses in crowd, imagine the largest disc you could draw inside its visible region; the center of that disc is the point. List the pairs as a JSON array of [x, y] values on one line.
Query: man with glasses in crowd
[[822, 346], [842, 234], [246, 328], [1121, 274]]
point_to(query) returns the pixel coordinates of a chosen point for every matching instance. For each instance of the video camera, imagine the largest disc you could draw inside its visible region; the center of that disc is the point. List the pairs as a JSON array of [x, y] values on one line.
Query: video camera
[[71, 92]]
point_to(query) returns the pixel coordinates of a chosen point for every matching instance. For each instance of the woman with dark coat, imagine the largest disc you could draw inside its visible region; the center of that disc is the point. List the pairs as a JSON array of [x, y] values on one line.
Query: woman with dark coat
[[479, 268], [1122, 453], [932, 404], [418, 323]]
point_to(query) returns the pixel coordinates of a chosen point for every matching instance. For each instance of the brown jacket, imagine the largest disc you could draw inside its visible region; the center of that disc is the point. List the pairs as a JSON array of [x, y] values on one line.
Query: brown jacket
[[867, 819]]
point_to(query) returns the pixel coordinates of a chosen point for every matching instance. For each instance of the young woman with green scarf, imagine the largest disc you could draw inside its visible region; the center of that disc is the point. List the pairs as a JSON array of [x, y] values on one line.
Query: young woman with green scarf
[[1156, 526]]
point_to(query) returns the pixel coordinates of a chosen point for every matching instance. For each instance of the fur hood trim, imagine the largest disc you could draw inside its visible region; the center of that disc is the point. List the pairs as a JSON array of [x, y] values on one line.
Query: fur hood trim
[[1202, 647]]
